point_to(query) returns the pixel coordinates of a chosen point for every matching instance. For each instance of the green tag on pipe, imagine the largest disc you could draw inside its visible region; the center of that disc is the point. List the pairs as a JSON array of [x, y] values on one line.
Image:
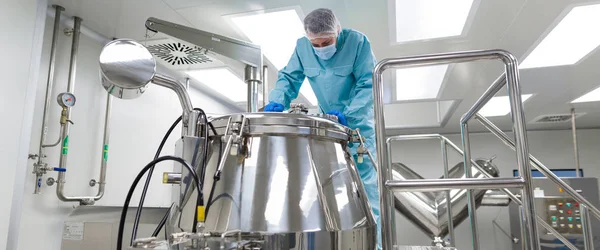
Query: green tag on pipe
[[105, 152], [65, 146]]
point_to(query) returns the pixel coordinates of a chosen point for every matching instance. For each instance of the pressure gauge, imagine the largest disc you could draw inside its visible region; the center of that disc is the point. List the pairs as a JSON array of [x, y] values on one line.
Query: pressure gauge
[[66, 100]]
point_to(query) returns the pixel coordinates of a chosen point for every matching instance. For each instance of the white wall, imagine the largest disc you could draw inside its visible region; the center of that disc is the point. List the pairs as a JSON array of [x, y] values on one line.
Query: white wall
[[553, 148], [137, 127], [20, 58]]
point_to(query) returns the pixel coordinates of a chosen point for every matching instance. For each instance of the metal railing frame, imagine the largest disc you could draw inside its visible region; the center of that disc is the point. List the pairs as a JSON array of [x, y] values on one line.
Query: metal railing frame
[[511, 79], [445, 143]]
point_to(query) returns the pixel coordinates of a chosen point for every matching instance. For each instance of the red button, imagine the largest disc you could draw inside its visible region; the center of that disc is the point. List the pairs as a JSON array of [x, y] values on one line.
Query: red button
[[569, 211], [576, 204], [560, 204]]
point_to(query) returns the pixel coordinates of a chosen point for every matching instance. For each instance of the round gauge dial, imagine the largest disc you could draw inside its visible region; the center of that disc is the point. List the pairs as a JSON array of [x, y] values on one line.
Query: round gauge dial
[[66, 100]]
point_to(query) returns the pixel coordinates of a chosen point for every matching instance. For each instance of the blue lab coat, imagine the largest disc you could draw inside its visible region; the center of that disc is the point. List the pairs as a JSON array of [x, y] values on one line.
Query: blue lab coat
[[342, 83]]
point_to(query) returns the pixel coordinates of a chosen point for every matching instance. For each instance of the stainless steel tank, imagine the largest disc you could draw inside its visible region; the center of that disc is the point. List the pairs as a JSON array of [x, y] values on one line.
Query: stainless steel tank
[[288, 182], [427, 210]]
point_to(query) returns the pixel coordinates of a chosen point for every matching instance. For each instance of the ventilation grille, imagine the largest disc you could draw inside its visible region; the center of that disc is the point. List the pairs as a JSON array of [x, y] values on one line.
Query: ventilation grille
[[556, 118], [179, 54]]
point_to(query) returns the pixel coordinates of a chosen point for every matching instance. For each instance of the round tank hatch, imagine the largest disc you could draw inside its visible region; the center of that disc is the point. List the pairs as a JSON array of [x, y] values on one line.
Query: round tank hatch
[[126, 68]]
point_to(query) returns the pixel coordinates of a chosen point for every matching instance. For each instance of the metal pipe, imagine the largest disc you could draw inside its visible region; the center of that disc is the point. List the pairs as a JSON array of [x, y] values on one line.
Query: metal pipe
[[512, 197], [449, 184], [252, 78], [471, 204], [588, 237], [485, 97], [448, 196], [575, 145], [67, 21], [539, 166], [553, 231], [61, 180], [265, 84], [387, 215], [62, 162], [50, 82], [179, 88]]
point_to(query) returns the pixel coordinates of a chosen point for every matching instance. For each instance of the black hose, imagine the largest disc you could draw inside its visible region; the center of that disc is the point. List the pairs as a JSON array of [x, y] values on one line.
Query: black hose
[[138, 213], [161, 224], [137, 180]]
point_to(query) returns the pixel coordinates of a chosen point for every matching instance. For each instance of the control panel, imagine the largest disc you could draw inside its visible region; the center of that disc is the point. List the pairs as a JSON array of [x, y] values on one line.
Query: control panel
[[564, 215]]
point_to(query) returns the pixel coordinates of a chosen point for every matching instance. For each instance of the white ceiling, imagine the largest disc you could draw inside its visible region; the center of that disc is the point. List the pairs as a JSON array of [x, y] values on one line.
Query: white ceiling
[[513, 25]]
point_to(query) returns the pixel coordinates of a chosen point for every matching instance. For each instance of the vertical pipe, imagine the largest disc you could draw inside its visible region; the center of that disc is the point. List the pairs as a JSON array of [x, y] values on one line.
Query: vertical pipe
[[62, 162], [588, 237], [464, 129], [522, 150], [265, 84], [105, 143], [252, 77], [448, 197], [50, 82], [575, 145], [187, 84], [386, 219]]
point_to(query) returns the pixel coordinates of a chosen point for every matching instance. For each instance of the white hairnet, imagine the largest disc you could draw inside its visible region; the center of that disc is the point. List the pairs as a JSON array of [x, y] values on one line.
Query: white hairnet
[[321, 23]]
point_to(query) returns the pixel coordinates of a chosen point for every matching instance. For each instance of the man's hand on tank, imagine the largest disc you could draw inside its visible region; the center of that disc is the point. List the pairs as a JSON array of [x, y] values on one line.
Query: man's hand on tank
[[341, 118], [274, 107]]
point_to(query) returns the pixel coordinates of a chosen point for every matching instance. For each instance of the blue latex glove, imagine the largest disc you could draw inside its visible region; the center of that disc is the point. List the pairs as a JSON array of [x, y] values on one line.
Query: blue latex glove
[[341, 118], [274, 107]]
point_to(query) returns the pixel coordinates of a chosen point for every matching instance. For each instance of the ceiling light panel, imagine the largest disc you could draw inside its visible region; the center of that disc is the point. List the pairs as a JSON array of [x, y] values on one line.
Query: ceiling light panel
[[429, 19], [499, 106], [276, 33], [223, 81], [420, 82], [575, 36], [592, 96]]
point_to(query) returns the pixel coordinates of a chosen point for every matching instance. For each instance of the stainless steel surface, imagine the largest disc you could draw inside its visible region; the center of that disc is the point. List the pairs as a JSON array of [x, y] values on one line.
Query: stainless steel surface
[[575, 146], [359, 238], [422, 248], [511, 70], [428, 210], [49, 85], [171, 178], [286, 184], [539, 166], [67, 21], [449, 184], [232, 48], [126, 67], [588, 234], [495, 198], [61, 180], [548, 191], [252, 78], [448, 196], [472, 207], [99, 227], [265, 85], [191, 150]]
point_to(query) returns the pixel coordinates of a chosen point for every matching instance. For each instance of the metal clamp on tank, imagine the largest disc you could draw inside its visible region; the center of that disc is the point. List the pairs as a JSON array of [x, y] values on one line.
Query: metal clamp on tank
[[298, 108], [362, 149], [234, 142]]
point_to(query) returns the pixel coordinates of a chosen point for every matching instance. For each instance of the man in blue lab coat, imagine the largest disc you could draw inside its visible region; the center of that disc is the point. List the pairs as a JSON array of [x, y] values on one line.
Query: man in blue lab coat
[[339, 66]]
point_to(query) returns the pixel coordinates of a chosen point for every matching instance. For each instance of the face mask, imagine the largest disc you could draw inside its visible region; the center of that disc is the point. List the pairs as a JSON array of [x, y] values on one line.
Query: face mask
[[326, 52]]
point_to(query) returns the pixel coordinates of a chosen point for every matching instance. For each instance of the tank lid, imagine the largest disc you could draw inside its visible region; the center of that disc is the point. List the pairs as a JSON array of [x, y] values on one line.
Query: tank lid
[[286, 123]]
